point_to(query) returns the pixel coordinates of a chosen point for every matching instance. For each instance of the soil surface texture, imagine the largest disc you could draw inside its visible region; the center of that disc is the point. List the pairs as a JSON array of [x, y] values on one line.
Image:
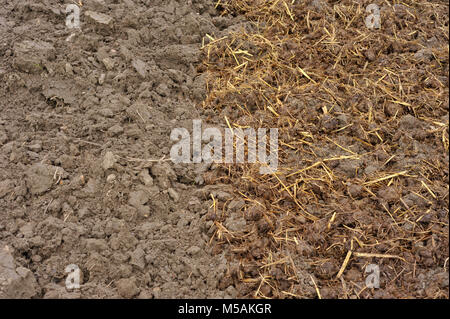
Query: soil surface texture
[[86, 178]]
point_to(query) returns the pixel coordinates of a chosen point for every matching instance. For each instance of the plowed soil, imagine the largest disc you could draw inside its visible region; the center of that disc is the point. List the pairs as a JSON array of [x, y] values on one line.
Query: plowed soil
[[85, 170]]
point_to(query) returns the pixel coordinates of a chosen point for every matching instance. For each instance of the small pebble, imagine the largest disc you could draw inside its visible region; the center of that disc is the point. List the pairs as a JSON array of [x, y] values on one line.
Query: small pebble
[[111, 178]]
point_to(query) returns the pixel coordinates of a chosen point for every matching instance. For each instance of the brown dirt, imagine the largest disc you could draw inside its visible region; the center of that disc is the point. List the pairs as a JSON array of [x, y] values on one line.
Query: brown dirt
[[84, 174], [85, 126]]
